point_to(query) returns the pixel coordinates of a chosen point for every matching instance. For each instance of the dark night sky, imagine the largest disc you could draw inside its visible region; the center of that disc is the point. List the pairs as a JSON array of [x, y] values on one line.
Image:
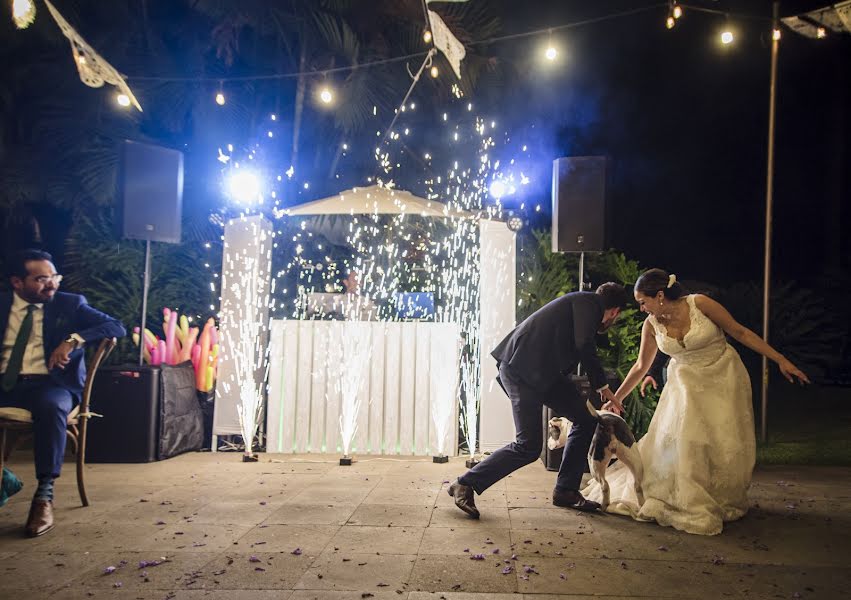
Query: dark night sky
[[684, 122]]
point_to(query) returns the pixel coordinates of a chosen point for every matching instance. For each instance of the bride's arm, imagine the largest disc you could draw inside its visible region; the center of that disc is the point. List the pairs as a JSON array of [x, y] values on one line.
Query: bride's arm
[[721, 317], [646, 354]]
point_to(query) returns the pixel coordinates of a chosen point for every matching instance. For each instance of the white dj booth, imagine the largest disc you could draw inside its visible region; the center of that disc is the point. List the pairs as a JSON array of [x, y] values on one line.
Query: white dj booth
[[413, 366]]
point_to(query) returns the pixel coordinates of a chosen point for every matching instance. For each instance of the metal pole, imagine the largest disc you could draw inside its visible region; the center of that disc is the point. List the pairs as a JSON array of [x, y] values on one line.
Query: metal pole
[[769, 206], [146, 282], [581, 289]]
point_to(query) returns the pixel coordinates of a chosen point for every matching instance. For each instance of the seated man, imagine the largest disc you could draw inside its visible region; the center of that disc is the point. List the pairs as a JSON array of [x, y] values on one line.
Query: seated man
[[42, 366]]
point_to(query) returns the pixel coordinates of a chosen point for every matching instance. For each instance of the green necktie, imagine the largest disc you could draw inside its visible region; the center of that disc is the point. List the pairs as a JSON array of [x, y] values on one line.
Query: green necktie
[[16, 359]]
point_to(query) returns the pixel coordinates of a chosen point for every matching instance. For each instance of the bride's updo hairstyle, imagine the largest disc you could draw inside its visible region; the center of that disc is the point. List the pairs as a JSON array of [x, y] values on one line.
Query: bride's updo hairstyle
[[656, 280]]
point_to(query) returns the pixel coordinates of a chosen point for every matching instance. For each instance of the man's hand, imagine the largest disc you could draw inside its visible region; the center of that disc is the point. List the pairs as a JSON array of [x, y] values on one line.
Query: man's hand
[[611, 403], [647, 381], [61, 356]]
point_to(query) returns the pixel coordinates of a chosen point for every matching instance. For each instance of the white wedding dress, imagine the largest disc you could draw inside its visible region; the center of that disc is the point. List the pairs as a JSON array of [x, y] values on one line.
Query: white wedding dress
[[699, 450]]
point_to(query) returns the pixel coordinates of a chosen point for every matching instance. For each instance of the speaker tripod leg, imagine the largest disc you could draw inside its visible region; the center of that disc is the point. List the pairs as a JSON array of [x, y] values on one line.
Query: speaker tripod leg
[[146, 282]]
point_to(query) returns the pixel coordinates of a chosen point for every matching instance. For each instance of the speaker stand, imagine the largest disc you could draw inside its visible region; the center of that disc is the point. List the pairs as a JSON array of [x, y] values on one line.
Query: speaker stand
[[146, 283], [581, 289]]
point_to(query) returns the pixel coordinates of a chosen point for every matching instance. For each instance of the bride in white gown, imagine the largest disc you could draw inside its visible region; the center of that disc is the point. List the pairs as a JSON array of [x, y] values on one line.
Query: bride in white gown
[[699, 450]]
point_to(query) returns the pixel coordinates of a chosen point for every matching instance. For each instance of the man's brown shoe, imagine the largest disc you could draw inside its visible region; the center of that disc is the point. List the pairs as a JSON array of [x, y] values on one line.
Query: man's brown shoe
[[575, 500], [464, 498], [40, 520]]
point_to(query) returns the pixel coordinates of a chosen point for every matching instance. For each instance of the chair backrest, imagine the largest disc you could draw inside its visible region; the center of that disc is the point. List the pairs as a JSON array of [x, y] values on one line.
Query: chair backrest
[[107, 345]]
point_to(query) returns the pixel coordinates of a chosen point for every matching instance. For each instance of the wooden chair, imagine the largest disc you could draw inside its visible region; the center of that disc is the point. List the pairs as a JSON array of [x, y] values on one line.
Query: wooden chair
[[19, 420]]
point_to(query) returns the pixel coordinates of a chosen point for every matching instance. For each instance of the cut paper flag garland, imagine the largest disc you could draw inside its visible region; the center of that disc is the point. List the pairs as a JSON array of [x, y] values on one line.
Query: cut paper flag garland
[[182, 343], [446, 42], [835, 18], [93, 69]]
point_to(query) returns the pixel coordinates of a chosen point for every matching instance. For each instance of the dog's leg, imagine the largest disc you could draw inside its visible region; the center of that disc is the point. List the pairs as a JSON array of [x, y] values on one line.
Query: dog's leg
[[598, 472], [632, 459]]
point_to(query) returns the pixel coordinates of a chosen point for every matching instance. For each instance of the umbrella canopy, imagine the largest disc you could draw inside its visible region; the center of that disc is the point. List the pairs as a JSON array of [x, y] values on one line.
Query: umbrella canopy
[[375, 199]]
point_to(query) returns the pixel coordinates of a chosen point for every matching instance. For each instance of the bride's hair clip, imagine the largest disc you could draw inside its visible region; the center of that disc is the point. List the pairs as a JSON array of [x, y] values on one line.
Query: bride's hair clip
[[672, 279]]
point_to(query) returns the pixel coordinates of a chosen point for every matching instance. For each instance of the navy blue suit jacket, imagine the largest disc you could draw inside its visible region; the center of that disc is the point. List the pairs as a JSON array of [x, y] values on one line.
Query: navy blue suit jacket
[[64, 315], [545, 348]]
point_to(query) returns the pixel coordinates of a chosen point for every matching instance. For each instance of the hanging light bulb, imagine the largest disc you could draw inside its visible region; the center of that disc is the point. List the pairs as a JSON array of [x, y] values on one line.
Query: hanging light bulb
[[677, 11], [670, 22], [123, 100], [23, 13], [434, 72], [325, 95], [821, 33], [551, 53], [775, 35], [220, 99], [727, 37], [427, 36]]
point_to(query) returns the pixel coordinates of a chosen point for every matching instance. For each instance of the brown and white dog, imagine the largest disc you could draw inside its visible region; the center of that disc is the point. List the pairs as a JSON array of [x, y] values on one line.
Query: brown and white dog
[[611, 439]]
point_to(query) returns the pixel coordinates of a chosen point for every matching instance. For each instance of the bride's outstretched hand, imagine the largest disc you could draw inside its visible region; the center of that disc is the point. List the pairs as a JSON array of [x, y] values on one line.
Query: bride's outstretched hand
[[790, 371]]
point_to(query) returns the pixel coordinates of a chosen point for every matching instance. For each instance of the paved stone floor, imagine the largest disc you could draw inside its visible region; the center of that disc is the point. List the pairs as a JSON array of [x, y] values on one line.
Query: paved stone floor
[[302, 527]]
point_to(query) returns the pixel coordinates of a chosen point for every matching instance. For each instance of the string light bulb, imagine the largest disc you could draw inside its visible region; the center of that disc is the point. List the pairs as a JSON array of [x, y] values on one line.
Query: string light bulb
[[727, 37], [677, 11], [123, 100], [551, 53], [670, 22], [220, 99], [775, 34], [427, 36], [23, 13], [325, 95], [434, 72], [821, 33]]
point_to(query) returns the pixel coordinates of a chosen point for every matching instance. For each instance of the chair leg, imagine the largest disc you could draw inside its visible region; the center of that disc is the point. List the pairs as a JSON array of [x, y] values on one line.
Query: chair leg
[[81, 462]]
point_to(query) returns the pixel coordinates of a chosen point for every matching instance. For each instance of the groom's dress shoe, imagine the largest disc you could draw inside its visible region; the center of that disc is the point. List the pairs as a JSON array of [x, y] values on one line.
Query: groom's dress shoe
[[464, 498], [575, 500], [40, 520]]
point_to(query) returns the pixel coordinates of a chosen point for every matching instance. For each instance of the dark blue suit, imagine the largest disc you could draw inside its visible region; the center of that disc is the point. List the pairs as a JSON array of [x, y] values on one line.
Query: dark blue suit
[[535, 361], [50, 400]]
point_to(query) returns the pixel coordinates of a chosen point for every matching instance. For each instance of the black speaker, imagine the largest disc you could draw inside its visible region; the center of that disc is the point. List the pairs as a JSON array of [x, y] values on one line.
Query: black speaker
[[580, 211], [152, 192], [128, 397]]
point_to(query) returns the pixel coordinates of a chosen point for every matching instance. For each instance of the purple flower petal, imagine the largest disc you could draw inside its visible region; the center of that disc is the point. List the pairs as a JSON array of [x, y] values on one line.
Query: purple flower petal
[[117, 584], [562, 576], [253, 558], [477, 557], [507, 570], [109, 570], [495, 551], [297, 552]]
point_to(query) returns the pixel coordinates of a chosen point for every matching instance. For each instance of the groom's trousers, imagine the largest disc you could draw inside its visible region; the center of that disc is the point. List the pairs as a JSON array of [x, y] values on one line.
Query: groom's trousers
[[527, 406]]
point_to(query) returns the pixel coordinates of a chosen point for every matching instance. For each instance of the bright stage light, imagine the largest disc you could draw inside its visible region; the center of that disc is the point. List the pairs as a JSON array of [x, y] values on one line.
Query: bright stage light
[[515, 223], [220, 99], [243, 186], [727, 37], [551, 53], [123, 100]]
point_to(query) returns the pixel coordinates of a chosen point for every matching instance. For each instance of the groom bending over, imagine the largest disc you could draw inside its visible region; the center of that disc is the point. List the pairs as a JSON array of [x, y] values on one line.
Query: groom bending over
[[42, 366], [534, 362]]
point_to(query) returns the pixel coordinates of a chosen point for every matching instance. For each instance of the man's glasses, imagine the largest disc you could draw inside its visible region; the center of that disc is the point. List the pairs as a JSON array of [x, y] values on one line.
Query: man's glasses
[[44, 279]]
